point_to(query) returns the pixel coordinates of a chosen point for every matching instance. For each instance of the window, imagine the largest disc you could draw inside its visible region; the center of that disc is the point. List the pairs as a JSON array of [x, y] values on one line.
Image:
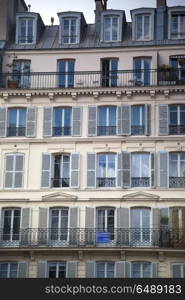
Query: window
[[176, 119], [61, 170], [107, 120], [142, 71], [177, 170], [143, 27], [178, 270], [138, 120], [14, 164], [69, 30], [16, 122], [178, 26], [140, 226], [21, 73], [105, 224], [105, 269], [109, 72], [59, 224], [106, 170], [11, 224], [25, 30], [8, 270], [111, 28], [66, 73], [57, 270], [178, 69], [140, 170], [141, 270], [62, 121]]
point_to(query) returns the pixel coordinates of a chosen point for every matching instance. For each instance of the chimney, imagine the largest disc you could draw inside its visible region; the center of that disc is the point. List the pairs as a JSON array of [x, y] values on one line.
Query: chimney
[[101, 5], [161, 24], [161, 4]]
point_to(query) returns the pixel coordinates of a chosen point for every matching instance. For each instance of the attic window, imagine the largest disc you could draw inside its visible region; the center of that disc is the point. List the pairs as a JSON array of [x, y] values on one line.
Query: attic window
[[25, 31], [111, 28], [69, 30], [178, 26], [143, 27]]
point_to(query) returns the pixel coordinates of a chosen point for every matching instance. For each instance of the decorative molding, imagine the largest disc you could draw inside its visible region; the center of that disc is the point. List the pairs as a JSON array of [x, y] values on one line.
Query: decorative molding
[[141, 196], [28, 96], [58, 196], [5, 96], [51, 96]]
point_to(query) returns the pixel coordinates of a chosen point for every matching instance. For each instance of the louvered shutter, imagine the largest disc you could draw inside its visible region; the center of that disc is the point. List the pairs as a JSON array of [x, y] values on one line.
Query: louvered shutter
[[120, 169], [77, 121], [72, 269], [120, 269], [43, 233], [3, 121], [74, 235], [31, 122], [92, 121], [25, 226], [75, 170], [48, 122], [23, 269], [163, 119], [9, 169], [126, 120], [126, 169], [147, 119], [91, 170], [19, 165], [42, 269], [90, 231], [46, 170], [163, 167], [123, 226]]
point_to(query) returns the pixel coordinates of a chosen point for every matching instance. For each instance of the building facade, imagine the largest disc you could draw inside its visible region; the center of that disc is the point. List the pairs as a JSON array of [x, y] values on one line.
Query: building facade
[[92, 143]]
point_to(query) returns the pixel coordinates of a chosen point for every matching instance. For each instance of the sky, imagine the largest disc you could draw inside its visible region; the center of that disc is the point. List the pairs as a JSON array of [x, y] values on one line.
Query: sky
[[50, 8]]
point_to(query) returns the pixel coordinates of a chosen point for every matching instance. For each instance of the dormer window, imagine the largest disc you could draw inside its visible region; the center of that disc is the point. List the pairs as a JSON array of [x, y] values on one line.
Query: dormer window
[[143, 24], [178, 26], [69, 32], [26, 28], [111, 28], [143, 27], [25, 31]]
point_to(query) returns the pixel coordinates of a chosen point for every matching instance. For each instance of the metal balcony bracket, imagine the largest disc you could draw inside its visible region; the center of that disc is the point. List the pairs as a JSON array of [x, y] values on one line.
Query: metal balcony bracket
[[32, 255], [80, 255], [123, 255], [161, 256]]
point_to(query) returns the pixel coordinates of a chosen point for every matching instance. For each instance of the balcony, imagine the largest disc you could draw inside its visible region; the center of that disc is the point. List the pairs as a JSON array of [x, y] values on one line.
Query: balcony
[[60, 182], [106, 130], [137, 130], [177, 182], [140, 181], [16, 131], [106, 182], [92, 79], [85, 238], [176, 129], [61, 131]]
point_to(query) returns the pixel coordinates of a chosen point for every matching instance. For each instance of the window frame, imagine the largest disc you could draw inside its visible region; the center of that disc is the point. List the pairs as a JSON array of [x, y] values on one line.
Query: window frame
[[17, 120], [105, 268], [57, 265], [171, 11], [111, 17], [143, 27], [121, 21], [61, 167], [70, 36], [107, 163], [143, 11], [27, 16], [141, 268], [140, 166], [178, 162], [182, 270], [8, 268], [12, 217], [72, 15], [13, 171], [59, 240]]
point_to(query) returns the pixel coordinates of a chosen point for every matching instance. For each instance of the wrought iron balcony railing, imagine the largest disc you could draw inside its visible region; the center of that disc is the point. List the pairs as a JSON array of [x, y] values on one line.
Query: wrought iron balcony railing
[[16, 131], [60, 182], [176, 129], [137, 130], [61, 131], [84, 238], [106, 130], [106, 182], [140, 181], [91, 79], [177, 182]]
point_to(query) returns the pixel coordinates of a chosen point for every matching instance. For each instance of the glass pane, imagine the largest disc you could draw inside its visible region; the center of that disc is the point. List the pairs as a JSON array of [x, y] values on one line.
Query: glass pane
[[67, 117], [102, 165], [22, 117], [54, 218], [112, 116], [135, 111], [115, 29], [174, 25], [146, 27], [12, 117], [107, 29], [57, 117], [182, 117], [9, 162], [62, 271], [182, 169], [145, 218], [173, 118], [135, 218], [145, 165], [146, 270], [111, 165], [139, 27], [30, 31], [3, 270], [136, 270], [52, 270], [65, 166], [22, 36], [135, 165], [100, 270], [102, 116], [110, 270], [173, 158], [101, 220], [13, 270]]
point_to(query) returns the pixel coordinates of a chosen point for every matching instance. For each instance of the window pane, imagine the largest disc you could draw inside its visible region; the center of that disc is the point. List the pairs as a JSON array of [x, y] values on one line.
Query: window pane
[[182, 117], [146, 27], [145, 218], [54, 218], [111, 165], [58, 117], [135, 167], [174, 25], [101, 219], [52, 270], [145, 165], [62, 271], [12, 116], [173, 118], [112, 116], [22, 117], [147, 270], [135, 115], [67, 117], [13, 270], [182, 169], [135, 218], [115, 29], [3, 270], [173, 165], [107, 29], [110, 270], [102, 116], [136, 270], [139, 27], [102, 165]]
